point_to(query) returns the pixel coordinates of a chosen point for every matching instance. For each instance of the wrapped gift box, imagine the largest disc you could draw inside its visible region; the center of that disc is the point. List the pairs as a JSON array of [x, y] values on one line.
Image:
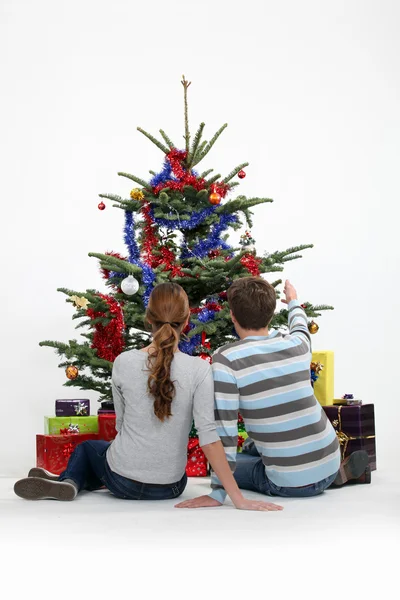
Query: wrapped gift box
[[53, 451], [355, 428], [197, 465], [73, 408], [107, 429], [59, 425], [324, 386]]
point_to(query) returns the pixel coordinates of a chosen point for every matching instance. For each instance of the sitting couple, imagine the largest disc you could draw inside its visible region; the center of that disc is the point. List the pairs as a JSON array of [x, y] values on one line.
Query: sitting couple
[[292, 449]]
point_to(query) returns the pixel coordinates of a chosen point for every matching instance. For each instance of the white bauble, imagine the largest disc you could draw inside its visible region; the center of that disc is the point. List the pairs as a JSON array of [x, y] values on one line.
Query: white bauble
[[129, 285]]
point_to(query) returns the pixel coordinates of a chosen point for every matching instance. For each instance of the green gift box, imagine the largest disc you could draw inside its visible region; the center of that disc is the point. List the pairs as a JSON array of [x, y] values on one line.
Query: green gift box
[[60, 425]]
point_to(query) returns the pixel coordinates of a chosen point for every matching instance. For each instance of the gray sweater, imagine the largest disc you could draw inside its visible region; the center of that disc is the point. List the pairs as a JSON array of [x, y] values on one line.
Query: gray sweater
[[146, 449]]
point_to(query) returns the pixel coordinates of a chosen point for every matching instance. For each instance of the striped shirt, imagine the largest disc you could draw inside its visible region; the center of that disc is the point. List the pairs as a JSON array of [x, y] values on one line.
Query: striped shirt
[[267, 380]]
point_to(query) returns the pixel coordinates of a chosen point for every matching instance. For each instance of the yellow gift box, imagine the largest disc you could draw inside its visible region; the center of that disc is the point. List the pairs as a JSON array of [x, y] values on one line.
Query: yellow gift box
[[324, 386]]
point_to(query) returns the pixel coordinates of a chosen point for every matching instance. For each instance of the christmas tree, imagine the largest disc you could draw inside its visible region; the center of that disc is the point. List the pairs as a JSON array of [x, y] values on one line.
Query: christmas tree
[[176, 228]]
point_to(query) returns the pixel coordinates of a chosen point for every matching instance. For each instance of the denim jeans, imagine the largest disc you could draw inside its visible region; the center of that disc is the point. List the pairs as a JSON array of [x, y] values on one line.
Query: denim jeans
[[250, 475], [89, 469]]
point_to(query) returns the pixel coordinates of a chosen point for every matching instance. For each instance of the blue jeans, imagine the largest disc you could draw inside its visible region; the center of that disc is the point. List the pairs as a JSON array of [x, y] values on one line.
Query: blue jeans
[[89, 469], [250, 475]]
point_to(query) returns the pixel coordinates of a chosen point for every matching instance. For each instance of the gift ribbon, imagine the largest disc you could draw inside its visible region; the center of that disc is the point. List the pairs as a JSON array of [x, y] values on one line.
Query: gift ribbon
[[343, 438]]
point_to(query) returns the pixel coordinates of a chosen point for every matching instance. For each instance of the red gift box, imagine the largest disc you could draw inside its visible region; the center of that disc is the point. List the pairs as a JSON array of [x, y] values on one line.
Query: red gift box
[[197, 463], [107, 429], [53, 451]]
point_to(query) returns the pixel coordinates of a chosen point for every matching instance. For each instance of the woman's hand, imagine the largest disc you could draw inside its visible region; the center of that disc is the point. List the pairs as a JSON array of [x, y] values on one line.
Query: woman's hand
[[200, 502], [243, 504]]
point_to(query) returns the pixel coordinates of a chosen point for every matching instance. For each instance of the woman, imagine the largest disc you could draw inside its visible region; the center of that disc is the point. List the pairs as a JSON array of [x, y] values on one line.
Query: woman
[[157, 392]]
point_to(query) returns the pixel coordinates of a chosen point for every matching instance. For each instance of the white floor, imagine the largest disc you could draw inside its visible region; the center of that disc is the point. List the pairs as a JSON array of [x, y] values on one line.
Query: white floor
[[352, 532]]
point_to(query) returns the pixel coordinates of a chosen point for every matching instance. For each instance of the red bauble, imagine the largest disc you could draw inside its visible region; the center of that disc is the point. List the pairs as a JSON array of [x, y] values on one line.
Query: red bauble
[[101, 206], [215, 198], [242, 174]]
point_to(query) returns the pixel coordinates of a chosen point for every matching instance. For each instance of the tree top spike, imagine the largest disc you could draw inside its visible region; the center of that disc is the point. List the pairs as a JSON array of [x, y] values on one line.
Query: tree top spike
[[185, 82]]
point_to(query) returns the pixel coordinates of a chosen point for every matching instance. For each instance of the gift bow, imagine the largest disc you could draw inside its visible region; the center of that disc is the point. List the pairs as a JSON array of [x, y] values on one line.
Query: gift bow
[[68, 450], [343, 438]]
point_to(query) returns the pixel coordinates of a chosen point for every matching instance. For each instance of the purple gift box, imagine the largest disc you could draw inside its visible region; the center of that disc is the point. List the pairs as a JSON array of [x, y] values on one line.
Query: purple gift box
[[73, 408], [103, 411], [355, 428]]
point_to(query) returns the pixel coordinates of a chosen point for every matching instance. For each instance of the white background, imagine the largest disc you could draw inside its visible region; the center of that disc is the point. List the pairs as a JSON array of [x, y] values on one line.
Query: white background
[[311, 94]]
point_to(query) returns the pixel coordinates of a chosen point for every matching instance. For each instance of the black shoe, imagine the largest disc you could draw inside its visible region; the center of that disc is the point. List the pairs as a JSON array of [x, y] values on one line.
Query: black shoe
[[365, 477], [352, 468], [37, 488], [43, 474]]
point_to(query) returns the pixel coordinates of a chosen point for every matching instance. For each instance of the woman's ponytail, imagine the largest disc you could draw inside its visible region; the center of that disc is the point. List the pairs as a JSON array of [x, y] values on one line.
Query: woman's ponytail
[[168, 311]]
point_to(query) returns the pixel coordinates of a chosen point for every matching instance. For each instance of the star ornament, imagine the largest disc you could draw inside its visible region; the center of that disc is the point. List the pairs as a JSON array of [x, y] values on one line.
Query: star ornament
[[80, 302]]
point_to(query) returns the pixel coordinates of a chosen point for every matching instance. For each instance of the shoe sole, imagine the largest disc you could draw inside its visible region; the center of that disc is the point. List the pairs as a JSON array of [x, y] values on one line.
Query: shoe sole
[[36, 488], [357, 465], [352, 468], [43, 474]]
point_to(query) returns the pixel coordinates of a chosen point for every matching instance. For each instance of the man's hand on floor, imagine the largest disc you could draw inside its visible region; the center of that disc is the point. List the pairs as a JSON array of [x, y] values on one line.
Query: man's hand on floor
[[245, 504]]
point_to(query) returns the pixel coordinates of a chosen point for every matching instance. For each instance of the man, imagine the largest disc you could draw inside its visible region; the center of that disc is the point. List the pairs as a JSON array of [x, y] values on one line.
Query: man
[[293, 450]]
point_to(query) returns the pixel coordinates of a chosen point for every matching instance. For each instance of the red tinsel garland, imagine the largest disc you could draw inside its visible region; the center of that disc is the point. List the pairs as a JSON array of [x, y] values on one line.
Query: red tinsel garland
[[252, 264], [108, 339], [220, 188], [175, 158], [168, 260], [150, 239]]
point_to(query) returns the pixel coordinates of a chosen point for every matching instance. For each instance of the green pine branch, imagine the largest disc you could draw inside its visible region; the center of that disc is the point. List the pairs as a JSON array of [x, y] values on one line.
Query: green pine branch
[[141, 182], [289, 254], [193, 150], [240, 203], [125, 204], [112, 263], [155, 141], [235, 171], [85, 382], [210, 144], [167, 140], [199, 152], [213, 179]]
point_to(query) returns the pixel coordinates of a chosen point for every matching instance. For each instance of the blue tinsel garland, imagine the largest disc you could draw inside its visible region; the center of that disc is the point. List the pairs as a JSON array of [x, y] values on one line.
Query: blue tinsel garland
[[148, 276], [163, 176], [203, 247], [195, 220], [190, 345], [166, 175]]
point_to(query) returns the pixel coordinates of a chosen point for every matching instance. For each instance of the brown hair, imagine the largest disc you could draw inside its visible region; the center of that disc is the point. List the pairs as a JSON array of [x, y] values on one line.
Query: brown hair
[[252, 301], [167, 312]]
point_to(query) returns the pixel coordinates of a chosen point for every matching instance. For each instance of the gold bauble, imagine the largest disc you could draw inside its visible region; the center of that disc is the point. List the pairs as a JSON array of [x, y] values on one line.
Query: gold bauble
[[313, 327], [137, 194], [215, 198], [72, 372]]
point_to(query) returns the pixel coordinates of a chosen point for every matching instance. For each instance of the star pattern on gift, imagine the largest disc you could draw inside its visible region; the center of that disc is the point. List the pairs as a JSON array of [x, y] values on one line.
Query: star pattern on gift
[[81, 409]]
